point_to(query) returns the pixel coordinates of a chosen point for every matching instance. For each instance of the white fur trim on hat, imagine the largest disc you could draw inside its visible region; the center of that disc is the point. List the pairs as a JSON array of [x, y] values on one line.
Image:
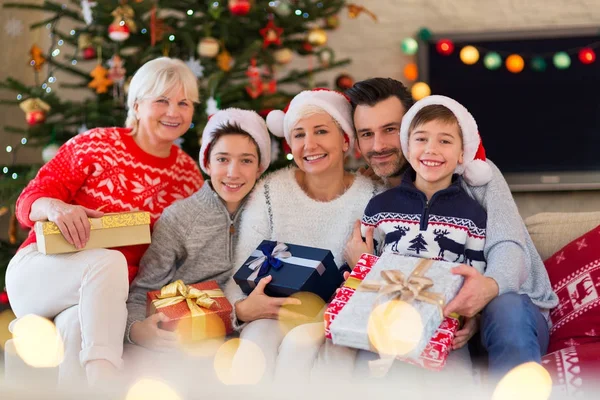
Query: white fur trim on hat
[[335, 104], [475, 170], [249, 121]]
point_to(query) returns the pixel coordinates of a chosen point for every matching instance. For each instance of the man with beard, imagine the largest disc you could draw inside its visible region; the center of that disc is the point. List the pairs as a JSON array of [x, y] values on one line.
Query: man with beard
[[513, 296]]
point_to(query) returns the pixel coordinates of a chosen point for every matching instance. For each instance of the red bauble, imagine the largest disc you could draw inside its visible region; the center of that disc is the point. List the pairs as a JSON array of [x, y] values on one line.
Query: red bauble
[[118, 32], [89, 53], [344, 82], [445, 47], [4, 298], [35, 117], [587, 55], [239, 7]]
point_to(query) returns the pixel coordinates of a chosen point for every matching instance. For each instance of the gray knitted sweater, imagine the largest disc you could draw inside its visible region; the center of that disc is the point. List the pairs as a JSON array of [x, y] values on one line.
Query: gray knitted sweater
[[193, 241], [512, 260]]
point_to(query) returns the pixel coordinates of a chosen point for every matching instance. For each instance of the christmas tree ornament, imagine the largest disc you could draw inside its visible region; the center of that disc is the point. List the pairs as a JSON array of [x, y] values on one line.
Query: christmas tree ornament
[[561, 60], [86, 46], [224, 60], [469, 55], [271, 34], [116, 73], [100, 82], [332, 22], [194, 65], [89, 53], [49, 152], [35, 110], [411, 72], [355, 10], [123, 23], [587, 55], [515, 63], [239, 7], [283, 56], [325, 56], [86, 11], [409, 46], [4, 298], [157, 27], [344, 82], [317, 37], [306, 48], [255, 85], [212, 106], [444, 46], [538, 64], [283, 9], [13, 27], [208, 47], [37, 59], [420, 90]]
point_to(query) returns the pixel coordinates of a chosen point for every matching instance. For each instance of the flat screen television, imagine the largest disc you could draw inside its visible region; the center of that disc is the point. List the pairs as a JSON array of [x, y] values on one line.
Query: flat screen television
[[542, 128]]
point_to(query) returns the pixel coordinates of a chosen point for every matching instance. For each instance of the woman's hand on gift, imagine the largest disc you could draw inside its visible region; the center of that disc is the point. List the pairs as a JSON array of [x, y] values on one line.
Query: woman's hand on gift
[[72, 220], [477, 291], [356, 246], [148, 334], [465, 334], [260, 306]]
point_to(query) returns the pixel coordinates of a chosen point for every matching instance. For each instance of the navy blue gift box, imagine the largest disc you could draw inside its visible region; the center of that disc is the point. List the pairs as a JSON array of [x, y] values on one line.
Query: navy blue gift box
[[293, 269]]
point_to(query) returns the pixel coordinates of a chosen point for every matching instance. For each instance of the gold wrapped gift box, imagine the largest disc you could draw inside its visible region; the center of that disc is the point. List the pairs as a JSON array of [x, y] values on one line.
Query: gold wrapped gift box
[[110, 230]]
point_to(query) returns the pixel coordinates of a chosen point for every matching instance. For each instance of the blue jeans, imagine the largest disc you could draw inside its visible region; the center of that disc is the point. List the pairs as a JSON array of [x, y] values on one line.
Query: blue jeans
[[513, 332]]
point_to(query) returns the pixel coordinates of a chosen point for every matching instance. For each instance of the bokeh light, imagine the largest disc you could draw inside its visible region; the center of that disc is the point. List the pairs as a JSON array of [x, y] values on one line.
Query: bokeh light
[[247, 368], [395, 328], [561, 60], [492, 60], [529, 381], [151, 389], [410, 46], [469, 55], [37, 342], [420, 90], [515, 63], [310, 309], [411, 72]]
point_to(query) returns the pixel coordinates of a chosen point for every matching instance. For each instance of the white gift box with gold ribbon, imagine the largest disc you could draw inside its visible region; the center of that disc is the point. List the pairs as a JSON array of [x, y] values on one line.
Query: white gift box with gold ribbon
[[110, 230]]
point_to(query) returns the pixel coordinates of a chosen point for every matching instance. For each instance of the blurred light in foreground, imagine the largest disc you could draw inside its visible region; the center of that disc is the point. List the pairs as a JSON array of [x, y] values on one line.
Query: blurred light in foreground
[[247, 368], [529, 381], [310, 310], [395, 328], [150, 389], [37, 342]]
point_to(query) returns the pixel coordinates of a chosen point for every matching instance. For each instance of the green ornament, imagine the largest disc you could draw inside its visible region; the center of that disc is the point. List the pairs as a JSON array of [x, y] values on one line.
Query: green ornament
[[424, 34], [538, 64], [561, 60], [283, 9], [410, 46], [492, 60], [215, 10]]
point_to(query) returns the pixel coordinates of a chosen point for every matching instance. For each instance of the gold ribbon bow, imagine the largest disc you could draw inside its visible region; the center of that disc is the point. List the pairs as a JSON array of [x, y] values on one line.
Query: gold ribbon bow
[[407, 288], [126, 14], [176, 292]]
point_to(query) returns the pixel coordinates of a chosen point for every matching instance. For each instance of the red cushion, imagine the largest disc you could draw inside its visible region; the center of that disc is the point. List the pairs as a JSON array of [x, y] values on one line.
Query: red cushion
[[574, 273], [574, 370]]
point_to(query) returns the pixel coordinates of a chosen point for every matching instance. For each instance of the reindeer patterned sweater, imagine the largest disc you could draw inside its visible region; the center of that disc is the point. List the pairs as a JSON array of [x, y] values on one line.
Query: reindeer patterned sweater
[[450, 226]]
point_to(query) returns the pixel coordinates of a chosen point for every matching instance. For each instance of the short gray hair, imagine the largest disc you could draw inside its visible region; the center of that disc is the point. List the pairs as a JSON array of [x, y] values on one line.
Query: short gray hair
[[158, 77]]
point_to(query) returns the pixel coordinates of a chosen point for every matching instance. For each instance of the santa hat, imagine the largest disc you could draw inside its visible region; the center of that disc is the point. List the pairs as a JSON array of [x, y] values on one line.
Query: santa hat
[[336, 104], [249, 121], [475, 170]]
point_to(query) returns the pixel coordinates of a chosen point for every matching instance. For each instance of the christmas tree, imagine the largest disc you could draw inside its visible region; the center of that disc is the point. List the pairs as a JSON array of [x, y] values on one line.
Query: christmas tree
[[236, 48]]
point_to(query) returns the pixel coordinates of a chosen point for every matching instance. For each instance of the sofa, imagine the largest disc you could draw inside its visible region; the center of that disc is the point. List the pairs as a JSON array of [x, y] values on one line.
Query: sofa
[[569, 244]]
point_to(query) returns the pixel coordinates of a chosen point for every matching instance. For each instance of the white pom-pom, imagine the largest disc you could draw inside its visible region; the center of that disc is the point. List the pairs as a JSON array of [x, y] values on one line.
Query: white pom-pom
[[477, 173], [275, 122]]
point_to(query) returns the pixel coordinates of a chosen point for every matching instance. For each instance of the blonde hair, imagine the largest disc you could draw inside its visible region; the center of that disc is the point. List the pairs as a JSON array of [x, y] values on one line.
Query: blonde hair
[[158, 77], [309, 110]]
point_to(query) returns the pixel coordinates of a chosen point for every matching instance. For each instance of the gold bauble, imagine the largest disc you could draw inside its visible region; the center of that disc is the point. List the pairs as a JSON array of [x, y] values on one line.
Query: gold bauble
[[283, 55], [208, 47], [317, 37]]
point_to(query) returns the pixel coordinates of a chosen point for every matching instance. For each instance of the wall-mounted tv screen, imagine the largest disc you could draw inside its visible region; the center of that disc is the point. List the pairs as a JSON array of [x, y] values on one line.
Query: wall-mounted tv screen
[[541, 127]]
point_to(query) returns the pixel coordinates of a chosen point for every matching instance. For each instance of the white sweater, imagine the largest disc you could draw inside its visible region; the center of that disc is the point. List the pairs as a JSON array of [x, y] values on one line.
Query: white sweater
[[297, 219]]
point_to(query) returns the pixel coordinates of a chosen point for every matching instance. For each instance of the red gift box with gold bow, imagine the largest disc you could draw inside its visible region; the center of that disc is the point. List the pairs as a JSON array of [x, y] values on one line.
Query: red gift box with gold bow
[[196, 312]]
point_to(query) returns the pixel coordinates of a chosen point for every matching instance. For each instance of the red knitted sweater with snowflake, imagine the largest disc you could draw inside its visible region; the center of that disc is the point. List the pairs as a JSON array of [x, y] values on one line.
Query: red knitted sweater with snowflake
[[104, 167]]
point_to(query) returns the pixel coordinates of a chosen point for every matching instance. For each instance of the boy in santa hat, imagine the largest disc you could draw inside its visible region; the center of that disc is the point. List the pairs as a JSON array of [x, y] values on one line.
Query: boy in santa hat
[[194, 238], [429, 214]]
